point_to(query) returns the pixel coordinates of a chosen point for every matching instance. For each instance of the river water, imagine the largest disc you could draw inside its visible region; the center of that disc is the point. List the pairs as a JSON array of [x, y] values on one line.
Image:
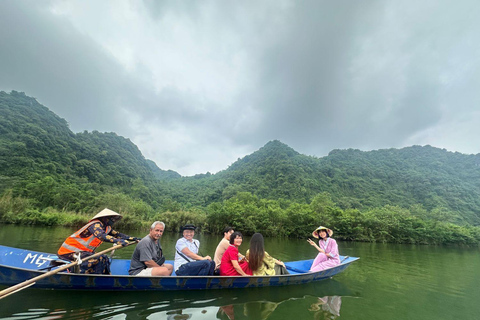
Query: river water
[[388, 282]]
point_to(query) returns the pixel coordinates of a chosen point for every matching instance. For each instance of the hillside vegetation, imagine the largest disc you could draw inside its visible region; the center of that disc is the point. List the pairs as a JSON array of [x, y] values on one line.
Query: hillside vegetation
[[50, 175]]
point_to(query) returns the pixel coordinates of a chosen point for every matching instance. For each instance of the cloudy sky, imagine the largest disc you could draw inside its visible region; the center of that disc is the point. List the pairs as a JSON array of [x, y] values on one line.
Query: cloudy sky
[[198, 84]]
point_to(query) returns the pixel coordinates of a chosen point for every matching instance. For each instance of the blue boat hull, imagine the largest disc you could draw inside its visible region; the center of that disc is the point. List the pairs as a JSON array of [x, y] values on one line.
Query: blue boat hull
[[17, 265]]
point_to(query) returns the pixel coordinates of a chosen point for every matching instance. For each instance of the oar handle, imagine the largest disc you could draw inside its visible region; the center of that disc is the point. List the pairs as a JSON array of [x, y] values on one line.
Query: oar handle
[[23, 285], [16, 290]]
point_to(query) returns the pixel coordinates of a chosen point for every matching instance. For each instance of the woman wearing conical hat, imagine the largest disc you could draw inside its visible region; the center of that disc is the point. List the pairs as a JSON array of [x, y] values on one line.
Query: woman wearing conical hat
[[89, 237], [327, 248]]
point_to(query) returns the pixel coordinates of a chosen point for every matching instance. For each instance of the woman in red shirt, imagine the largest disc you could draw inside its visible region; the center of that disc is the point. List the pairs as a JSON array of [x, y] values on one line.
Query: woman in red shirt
[[231, 265]]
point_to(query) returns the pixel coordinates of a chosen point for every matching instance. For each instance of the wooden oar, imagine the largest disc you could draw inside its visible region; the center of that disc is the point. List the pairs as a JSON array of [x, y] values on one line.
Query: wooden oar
[[28, 283]]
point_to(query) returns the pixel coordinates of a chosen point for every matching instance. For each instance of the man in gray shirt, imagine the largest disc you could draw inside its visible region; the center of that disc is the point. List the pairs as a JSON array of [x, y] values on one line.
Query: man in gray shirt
[[147, 259]]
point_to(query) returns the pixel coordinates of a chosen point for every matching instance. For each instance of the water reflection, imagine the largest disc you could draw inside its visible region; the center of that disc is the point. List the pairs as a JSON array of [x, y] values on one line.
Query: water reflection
[[301, 302], [178, 315], [327, 307], [250, 310]]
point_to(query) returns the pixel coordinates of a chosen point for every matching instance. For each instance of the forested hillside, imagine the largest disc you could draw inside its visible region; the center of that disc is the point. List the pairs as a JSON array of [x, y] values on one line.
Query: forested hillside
[[50, 175], [42, 160], [355, 179]]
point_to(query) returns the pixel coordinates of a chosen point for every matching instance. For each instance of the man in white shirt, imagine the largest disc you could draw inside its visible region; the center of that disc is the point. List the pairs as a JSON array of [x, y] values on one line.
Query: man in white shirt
[[187, 260]]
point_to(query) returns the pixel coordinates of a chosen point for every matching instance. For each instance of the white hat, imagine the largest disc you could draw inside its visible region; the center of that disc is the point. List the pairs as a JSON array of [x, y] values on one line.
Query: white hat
[[106, 213]]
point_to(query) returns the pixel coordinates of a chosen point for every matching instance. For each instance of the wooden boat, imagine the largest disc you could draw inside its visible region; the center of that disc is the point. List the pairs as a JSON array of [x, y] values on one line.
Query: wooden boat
[[17, 265]]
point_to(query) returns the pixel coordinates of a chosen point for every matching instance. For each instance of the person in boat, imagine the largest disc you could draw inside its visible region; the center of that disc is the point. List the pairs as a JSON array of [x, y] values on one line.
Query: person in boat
[[260, 262], [222, 246], [148, 259], [188, 262], [327, 247], [88, 238], [232, 263]]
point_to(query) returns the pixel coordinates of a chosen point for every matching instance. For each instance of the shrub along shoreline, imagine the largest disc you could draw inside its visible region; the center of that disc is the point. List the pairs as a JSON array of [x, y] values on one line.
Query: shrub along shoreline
[[274, 218]]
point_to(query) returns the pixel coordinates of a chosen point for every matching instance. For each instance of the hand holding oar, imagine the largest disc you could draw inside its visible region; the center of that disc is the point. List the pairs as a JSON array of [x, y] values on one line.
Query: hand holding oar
[[31, 282]]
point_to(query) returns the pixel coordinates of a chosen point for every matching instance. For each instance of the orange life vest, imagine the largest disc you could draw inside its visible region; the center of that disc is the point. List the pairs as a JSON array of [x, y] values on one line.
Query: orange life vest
[[75, 243]]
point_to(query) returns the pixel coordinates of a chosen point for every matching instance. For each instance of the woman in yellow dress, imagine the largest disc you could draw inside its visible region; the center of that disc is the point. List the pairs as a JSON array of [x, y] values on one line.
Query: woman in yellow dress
[[260, 262]]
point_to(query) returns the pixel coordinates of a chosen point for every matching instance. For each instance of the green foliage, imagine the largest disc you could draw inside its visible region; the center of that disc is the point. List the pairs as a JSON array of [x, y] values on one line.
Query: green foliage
[[38, 149], [124, 204], [12, 205], [47, 217], [249, 214], [49, 175], [175, 220]]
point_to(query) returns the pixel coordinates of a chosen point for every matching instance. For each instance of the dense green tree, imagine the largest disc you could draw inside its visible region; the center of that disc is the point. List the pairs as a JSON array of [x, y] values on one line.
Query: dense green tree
[[50, 175]]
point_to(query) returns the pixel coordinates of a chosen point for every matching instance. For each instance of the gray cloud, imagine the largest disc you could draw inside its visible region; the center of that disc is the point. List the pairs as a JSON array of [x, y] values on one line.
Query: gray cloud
[[369, 76], [196, 86], [50, 60]]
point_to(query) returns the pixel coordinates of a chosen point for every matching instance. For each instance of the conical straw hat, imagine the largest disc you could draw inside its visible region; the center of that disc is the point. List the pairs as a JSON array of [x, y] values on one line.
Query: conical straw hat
[[106, 213], [315, 232]]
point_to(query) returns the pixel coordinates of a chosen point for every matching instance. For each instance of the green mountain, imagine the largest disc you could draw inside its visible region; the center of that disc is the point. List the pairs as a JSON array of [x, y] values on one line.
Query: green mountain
[[37, 147], [432, 177], [42, 160]]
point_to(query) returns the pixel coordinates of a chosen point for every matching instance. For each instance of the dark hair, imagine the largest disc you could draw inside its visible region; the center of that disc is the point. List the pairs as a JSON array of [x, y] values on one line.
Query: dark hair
[[188, 227], [326, 232], [235, 235], [256, 252], [227, 229]]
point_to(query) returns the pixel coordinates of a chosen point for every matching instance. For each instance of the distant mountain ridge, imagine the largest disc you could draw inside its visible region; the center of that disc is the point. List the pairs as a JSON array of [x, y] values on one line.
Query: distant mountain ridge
[[34, 139], [36, 147], [430, 176]]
